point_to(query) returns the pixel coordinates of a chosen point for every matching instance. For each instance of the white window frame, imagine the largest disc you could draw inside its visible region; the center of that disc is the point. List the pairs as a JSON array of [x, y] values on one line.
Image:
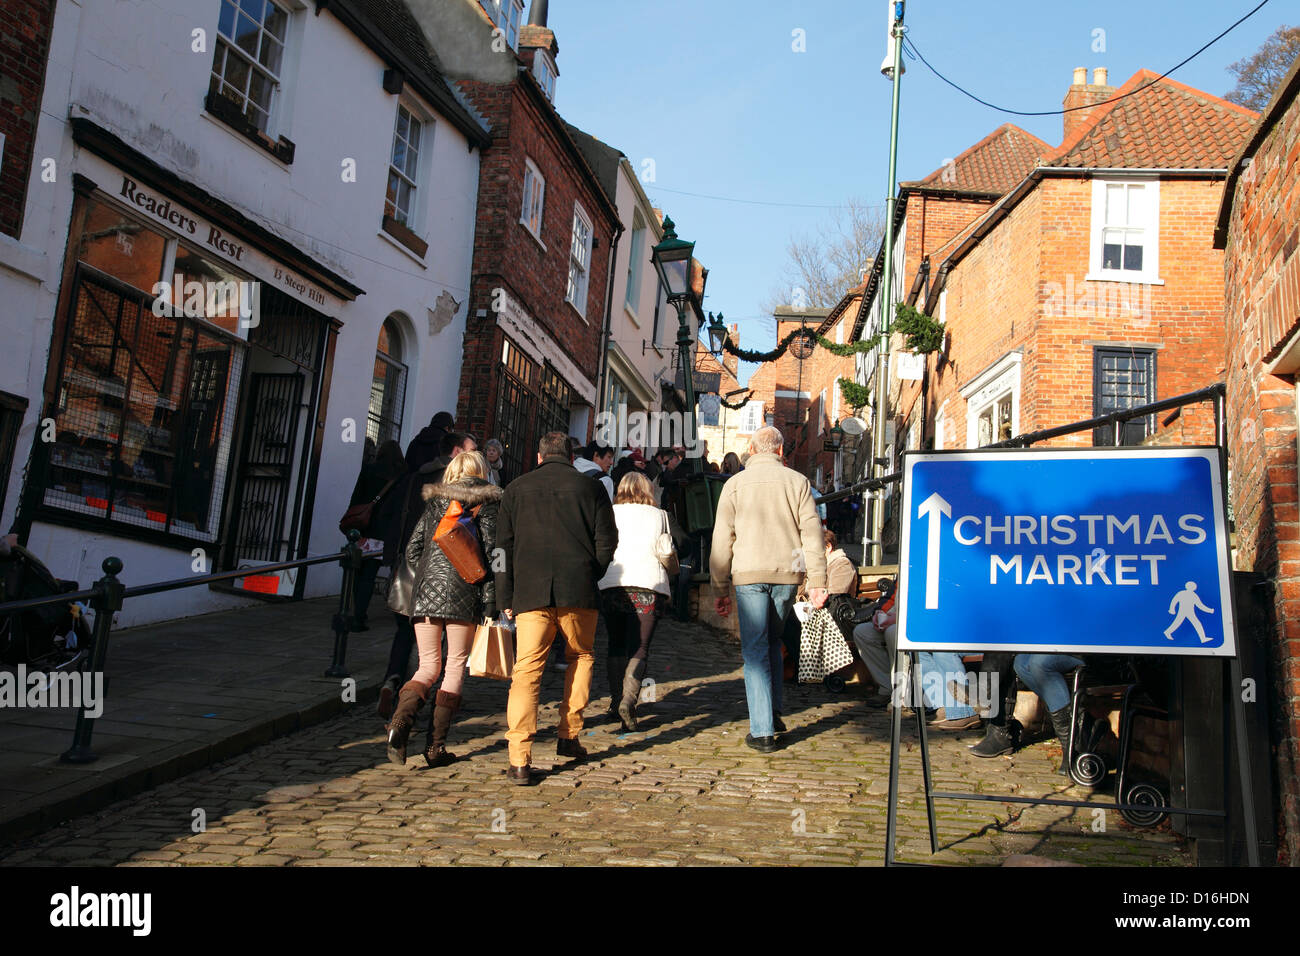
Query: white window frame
[[534, 197], [507, 15], [1149, 224], [545, 72], [273, 108], [636, 252], [989, 388], [422, 151], [579, 261], [751, 417], [821, 412], [940, 423]]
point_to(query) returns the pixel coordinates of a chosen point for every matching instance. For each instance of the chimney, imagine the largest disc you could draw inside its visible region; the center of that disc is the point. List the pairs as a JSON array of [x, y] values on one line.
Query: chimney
[[732, 362], [536, 34], [1084, 94]]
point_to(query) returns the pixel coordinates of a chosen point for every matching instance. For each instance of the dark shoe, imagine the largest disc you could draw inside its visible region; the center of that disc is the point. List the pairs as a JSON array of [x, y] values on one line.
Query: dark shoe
[[387, 694], [764, 745], [522, 776], [444, 709], [1061, 723], [998, 740], [877, 701], [956, 723], [615, 669], [409, 701], [778, 724], [358, 625], [569, 747]]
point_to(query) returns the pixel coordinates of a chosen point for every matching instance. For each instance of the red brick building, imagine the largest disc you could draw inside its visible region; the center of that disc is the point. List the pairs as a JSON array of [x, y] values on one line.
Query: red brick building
[[24, 48], [544, 237], [1259, 230]]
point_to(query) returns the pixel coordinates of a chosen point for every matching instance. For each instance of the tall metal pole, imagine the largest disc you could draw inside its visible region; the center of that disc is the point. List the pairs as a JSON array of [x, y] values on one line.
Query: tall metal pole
[[686, 346], [886, 300]]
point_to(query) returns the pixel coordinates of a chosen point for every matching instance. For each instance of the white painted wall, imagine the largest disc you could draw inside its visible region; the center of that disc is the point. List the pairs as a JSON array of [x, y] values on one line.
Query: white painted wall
[[128, 65]]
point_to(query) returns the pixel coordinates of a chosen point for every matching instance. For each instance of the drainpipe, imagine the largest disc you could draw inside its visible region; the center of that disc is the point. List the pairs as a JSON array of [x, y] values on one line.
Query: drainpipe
[[603, 360]]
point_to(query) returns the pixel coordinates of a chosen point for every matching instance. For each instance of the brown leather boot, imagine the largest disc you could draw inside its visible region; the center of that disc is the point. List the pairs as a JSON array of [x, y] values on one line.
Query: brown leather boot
[[409, 701], [445, 706]]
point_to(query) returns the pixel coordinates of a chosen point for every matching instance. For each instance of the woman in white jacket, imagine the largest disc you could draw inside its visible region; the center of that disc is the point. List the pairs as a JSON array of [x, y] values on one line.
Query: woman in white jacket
[[634, 591]]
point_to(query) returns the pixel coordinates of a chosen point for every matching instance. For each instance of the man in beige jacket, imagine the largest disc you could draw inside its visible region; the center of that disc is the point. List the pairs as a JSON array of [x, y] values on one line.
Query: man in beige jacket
[[767, 540]]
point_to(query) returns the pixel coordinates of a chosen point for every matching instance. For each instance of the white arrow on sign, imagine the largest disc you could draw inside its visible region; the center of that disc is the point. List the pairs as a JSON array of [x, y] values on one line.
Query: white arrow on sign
[[933, 507]]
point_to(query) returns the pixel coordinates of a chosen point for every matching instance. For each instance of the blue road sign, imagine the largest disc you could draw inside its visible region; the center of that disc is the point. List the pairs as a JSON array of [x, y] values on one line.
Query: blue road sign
[[1065, 550]]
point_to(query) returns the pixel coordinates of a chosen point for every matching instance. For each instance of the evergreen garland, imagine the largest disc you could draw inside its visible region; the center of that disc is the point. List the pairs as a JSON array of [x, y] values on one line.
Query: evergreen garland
[[855, 396], [736, 407]]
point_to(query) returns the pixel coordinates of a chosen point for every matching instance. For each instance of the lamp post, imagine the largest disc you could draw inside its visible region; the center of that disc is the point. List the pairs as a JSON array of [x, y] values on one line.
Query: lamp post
[[894, 71], [672, 259]]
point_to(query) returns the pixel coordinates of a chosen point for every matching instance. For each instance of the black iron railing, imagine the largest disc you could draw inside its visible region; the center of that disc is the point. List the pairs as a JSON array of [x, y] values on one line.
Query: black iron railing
[[108, 594]]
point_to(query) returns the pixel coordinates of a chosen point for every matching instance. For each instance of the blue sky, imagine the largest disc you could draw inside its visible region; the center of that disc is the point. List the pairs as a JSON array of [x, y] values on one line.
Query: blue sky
[[713, 92]]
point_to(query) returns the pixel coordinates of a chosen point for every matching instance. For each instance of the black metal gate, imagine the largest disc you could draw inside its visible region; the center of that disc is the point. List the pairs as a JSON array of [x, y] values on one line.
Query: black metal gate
[[266, 467]]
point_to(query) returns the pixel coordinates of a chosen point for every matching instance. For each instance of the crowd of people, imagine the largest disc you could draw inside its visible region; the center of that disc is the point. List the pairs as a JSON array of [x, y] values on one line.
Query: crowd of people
[[585, 544]]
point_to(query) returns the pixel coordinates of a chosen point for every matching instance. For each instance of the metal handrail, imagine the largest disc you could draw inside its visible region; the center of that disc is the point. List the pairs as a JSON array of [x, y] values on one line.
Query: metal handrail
[[1213, 393], [107, 595]]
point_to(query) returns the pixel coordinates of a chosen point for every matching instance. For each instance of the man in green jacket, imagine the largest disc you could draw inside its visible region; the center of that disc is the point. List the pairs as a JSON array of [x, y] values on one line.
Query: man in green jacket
[[767, 540]]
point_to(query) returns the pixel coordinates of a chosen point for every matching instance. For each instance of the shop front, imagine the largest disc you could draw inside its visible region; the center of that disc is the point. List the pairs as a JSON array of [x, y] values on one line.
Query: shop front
[[184, 400]]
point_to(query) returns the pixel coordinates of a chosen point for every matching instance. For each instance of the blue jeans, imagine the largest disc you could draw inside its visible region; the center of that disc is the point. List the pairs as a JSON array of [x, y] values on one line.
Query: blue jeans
[[935, 670], [1044, 674], [761, 610]]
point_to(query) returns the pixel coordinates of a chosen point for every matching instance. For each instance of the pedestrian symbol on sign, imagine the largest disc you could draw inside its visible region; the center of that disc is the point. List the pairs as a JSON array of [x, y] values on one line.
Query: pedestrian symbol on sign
[[1186, 604]]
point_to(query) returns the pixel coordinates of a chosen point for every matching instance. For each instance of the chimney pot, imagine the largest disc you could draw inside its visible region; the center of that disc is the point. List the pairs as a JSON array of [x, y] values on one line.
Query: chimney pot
[[1080, 76], [1099, 76]]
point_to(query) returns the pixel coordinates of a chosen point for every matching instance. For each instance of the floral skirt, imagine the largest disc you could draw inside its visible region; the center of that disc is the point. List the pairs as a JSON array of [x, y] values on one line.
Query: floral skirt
[[639, 601]]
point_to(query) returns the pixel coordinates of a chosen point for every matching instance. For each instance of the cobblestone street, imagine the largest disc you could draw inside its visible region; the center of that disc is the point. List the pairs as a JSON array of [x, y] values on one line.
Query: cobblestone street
[[683, 791]]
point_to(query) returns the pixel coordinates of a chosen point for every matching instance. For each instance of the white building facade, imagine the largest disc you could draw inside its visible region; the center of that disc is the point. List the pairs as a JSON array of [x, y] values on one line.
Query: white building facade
[[246, 250]]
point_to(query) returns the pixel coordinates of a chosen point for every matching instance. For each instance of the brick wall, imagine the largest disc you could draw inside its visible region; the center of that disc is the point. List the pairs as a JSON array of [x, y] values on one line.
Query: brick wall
[[508, 256], [24, 47], [1024, 287], [1260, 261]]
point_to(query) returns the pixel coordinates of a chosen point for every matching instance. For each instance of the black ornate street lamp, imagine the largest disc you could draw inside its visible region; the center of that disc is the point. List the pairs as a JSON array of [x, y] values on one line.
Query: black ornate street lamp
[[717, 333], [672, 259]]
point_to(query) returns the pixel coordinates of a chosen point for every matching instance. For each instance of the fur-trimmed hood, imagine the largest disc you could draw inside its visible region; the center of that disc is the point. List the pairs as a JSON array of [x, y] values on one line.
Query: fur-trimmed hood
[[471, 492]]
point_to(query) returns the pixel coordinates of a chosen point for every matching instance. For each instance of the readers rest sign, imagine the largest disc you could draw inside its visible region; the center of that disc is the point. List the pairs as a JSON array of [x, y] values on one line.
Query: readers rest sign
[[1077, 550], [183, 222]]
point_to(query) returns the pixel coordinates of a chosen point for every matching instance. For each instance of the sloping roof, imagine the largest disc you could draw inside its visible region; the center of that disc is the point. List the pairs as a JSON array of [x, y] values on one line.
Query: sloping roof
[[1164, 124], [1286, 93], [992, 166], [601, 157], [391, 32]]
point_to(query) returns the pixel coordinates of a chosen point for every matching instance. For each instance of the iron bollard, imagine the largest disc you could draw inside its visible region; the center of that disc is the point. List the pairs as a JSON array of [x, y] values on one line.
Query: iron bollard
[[350, 562], [107, 602]]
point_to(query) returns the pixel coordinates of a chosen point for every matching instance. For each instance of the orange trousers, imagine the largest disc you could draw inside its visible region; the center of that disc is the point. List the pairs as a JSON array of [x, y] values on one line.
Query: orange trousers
[[534, 632]]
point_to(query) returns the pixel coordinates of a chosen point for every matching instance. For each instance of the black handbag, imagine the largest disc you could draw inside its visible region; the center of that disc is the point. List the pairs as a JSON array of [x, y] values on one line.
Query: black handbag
[[401, 587]]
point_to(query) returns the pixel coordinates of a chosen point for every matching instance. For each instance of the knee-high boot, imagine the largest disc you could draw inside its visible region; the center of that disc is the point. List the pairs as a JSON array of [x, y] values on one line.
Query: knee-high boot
[[1062, 723], [631, 692], [409, 701], [445, 706]]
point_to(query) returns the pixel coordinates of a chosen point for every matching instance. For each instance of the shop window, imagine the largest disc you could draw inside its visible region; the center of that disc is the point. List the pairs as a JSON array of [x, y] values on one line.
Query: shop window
[[143, 414], [12, 408], [515, 408], [387, 388], [1123, 379], [993, 421], [553, 408]]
